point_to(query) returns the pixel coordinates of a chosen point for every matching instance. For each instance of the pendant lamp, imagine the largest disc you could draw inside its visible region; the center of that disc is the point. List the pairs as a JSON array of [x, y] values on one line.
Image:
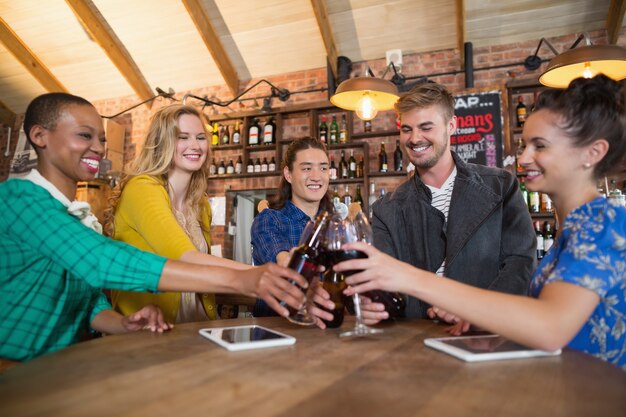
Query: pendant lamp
[[586, 61], [366, 96]]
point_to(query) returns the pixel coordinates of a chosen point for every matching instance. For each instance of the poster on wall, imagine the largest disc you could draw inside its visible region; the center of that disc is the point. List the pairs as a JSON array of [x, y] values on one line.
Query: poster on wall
[[478, 135], [24, 158]]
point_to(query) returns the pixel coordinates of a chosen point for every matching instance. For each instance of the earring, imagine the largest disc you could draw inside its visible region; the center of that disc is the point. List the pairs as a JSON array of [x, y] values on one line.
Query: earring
[[587, 165]]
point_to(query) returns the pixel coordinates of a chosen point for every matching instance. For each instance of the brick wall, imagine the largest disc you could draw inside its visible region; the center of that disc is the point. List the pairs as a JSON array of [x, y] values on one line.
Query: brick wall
[[423, 64]]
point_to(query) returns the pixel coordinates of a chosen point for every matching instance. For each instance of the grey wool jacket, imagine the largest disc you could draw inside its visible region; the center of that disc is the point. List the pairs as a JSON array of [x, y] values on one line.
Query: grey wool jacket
[[488, 241]]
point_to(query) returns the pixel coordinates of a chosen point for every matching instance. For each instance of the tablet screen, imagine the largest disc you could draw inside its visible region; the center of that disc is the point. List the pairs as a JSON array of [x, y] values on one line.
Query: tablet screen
[[246, 334], [482, 344]]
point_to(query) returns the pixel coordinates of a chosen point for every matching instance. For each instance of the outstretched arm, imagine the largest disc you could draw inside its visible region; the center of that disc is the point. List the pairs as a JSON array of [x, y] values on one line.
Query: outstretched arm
[[548, 322]]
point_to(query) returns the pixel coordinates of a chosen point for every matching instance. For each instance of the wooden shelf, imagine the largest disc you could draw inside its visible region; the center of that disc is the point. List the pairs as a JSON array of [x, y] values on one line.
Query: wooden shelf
[[389, 174], [226, 147], [246, 175], [378, 134]]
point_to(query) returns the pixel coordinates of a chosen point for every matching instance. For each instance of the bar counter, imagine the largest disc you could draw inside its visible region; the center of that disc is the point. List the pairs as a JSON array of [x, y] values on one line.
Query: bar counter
[[180, 374]]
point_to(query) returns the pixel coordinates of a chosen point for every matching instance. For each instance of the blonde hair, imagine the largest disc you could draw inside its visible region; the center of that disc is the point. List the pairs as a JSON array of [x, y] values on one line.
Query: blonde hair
[[156, 159]]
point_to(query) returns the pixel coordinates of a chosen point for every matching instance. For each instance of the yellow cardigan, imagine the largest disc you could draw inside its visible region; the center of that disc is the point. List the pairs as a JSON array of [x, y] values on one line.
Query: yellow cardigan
[[144, 219]]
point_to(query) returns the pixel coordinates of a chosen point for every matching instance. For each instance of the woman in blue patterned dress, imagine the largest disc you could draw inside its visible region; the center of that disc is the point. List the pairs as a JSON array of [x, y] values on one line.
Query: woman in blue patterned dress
[[574, 137]]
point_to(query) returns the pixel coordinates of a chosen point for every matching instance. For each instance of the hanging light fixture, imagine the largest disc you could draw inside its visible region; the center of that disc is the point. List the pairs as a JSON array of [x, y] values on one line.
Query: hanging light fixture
[[366, 96], [586, 61]]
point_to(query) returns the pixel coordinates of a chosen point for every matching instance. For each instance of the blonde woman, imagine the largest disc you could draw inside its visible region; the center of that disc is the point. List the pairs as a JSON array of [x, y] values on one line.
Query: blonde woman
[[162, 207]]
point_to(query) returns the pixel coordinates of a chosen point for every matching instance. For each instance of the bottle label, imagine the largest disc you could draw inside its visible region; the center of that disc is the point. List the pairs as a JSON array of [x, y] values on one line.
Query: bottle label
[[238, 168], [236, 137], [254, 136], [267, 133], [383, 168], [333, 173], [343, 137], [352, 166], [271, 167], [250, 169], [221, 171], [547, 243], [230, 169]]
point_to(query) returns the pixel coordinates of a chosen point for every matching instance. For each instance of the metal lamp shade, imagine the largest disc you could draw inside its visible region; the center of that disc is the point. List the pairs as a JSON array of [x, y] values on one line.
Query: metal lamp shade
[[352, 90], [609, 60]]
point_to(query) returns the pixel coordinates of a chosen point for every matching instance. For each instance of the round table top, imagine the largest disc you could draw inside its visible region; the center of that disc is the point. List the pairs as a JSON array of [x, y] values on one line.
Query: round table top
[[180, 373]]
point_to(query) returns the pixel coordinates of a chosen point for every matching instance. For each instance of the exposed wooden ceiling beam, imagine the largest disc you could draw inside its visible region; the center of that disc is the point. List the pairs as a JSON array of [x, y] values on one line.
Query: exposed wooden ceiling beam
[[212, 41], [7, 117], [27, 58], [98, 28], [614, 20], [323, 22], [460, 30]]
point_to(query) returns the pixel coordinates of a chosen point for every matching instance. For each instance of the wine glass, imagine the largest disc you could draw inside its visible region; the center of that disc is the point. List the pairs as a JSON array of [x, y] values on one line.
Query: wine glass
[[354, 228]]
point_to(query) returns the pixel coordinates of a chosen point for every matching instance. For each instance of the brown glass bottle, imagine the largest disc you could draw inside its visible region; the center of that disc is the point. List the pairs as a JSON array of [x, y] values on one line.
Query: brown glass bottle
[[333, 282]]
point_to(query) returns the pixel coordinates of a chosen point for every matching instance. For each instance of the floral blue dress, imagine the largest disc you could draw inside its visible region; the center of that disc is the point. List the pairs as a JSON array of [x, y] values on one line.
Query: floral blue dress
[[591, 253]]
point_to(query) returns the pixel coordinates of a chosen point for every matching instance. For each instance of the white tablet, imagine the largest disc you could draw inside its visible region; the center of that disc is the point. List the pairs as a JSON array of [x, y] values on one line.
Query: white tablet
[[484, 348], [246, 337]]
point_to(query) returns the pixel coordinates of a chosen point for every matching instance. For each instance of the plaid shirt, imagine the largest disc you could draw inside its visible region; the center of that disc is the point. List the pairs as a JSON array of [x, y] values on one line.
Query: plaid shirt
[[275, 231], [51, 269]]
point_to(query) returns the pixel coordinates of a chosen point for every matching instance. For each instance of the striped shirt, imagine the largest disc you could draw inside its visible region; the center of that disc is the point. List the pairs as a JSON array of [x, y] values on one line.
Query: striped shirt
[[51, 269], [441, 201]]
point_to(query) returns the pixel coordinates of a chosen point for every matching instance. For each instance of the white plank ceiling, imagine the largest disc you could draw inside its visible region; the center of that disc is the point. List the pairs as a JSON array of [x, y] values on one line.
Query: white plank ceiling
[[259, 38]]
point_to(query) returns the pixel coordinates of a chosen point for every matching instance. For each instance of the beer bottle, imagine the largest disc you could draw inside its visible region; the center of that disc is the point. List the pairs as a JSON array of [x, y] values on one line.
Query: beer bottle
[[548, 237], [539, 234], [357, 196], [343, 165], [520, 111], [212, 168], [382, 159], [257, 165], [237, 133], [264, 165], [524, 190], [253, 132], [347, 198], [269, 132], [343, 132], [333, 168], [238, 165], [546, 203], [304, 258], [334, 131], [336, 198], [534, 204], [351, 165], [272, 166], [323, 130], [397, 157], [230, 168], [215, 139], [250, 166], [334, 283], [225, 135], [360, 167], [221, 170]]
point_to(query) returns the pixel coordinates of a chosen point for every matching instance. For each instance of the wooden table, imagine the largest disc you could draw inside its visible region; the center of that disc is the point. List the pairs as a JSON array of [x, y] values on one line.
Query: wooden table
[[182, 374]]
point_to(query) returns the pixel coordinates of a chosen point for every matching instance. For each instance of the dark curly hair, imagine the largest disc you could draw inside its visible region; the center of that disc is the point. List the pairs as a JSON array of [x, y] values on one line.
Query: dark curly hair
[[591, 109]]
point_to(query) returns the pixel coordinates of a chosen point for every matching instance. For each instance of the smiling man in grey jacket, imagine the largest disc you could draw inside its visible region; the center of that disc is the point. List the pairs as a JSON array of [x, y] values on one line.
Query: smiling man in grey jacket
[[463, 221]]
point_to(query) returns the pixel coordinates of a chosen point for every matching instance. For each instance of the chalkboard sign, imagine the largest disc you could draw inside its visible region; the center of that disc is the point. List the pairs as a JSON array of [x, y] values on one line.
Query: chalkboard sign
[[478, 134]]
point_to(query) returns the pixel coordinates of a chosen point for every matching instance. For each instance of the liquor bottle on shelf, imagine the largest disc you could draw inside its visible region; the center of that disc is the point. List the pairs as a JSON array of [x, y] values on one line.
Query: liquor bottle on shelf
[[272, 166], [336, 198], [351, 165], [257, 165], [221, 170], [548, 236], [360, 167], [343, 131], [264, 165], [382, 159], [367, 126], [215, 139], [524, 190], [534, 203], [226, 135], [397, 157], [347, 198], [334, 131], [333, 168], [323, 130], [212, 168], [269, 132], [519, 148], [358, 198], [371, 199], [253, 132], [343, 166], [237, 134], [520, 111], [539, 234], [238, 165], [250, 166], [230, 168], [546, 203]]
